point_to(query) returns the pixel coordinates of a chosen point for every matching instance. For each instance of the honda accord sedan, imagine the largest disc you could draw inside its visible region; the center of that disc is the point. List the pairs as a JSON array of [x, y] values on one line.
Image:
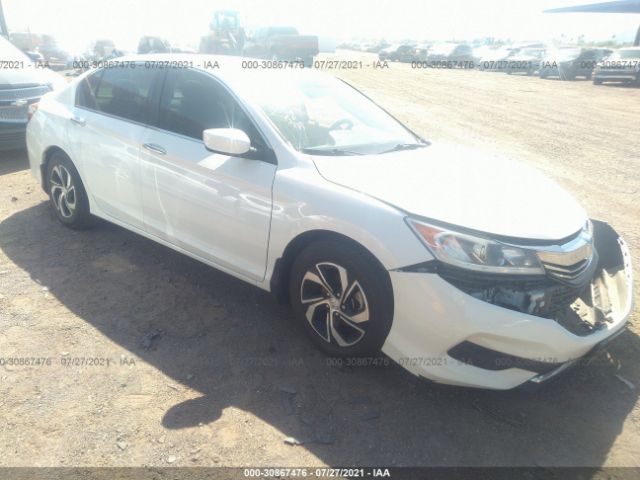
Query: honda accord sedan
[[464, 268]]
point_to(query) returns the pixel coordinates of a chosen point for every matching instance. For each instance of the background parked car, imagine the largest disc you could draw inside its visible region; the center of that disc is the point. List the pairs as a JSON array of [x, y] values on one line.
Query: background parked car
[[57, 56], [376, 47], [282, 43], [571, 62], [28, 43], [151, 44], [525, 61], [457, 54], [493, 60], [20, 86], [623, 65], [397, 53], [420, 53]]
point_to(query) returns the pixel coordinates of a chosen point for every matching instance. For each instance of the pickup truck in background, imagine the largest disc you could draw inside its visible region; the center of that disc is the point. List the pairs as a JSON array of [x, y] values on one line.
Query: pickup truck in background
[[281, 43]]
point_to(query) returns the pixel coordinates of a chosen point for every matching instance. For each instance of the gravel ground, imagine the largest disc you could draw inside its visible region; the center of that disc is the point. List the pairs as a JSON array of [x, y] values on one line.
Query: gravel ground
[[191, 367]]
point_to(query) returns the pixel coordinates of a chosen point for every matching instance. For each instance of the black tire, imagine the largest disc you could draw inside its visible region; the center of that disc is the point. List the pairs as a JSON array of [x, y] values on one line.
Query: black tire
[[65, 189], [368, 297], [597, 81]]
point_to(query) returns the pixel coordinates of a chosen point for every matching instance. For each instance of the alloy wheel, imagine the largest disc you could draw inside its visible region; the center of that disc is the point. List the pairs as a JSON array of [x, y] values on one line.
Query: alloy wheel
[[63, 191], [335, 305]]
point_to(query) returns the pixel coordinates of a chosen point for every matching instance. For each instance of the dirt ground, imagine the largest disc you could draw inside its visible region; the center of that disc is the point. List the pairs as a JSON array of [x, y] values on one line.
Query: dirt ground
[[196, 368]]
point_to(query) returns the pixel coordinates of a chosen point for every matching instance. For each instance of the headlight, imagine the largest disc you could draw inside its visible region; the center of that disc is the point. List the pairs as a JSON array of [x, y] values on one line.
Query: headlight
[[476, 253]]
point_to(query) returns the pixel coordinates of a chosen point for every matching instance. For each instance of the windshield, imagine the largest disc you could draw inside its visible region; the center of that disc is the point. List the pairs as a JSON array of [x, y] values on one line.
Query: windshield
[[625, 53], [8, 52], [565, 54], [323, 115]]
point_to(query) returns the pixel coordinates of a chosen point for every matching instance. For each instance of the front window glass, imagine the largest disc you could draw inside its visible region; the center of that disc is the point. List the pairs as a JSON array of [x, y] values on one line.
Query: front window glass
[[323, 115], [192, 102]]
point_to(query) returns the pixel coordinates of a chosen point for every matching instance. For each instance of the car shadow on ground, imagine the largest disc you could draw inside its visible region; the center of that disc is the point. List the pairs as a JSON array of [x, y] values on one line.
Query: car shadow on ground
[[236, 346], [13, 161]]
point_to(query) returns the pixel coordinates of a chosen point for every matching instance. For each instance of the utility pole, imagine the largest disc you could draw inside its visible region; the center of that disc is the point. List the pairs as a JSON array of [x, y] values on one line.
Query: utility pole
[[4, 31]]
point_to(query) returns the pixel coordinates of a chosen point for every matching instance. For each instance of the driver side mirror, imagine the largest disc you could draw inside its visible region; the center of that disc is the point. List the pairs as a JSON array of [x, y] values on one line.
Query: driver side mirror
[[227, 141]]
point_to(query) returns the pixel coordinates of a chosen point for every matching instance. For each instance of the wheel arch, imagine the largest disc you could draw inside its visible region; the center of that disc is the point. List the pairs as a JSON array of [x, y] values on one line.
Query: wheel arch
[[46, 157], [279, 281]]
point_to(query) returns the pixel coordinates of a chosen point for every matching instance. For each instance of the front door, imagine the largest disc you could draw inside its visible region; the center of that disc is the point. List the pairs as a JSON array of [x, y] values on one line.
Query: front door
[[217, 207]]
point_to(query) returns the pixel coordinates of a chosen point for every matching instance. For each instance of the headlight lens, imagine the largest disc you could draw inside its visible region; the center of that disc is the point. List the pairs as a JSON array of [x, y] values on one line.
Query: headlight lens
[[476, 253]]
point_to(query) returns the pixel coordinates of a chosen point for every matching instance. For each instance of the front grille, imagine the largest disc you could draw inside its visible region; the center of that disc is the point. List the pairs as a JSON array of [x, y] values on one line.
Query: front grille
[[23, 93], [566, 273], [16, 114]]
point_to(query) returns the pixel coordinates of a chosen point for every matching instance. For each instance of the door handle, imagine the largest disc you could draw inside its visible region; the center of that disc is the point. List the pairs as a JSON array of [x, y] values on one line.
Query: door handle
[[155, 148], [78, 120]]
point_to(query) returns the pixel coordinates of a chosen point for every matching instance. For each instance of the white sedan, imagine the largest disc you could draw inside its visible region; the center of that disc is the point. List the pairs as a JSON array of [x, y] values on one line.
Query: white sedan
[[465, 269]]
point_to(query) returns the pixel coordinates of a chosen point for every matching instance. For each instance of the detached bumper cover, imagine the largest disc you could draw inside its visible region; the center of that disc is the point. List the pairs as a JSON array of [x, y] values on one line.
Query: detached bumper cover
[[496, 347]]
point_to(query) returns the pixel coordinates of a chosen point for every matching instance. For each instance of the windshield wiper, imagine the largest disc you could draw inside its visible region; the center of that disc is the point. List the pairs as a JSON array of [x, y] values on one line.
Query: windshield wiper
[[332, 151], [405, 146]]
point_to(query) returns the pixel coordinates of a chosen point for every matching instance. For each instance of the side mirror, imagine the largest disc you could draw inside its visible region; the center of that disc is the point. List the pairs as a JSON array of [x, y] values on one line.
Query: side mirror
[[227, 141]]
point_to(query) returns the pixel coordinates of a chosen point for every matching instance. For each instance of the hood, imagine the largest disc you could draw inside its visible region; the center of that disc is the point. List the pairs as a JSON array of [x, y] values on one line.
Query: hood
[[31, 75], [462, 187]]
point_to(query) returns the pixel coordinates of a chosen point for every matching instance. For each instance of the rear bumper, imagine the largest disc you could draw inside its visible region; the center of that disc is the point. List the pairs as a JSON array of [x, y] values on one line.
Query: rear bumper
[[433, 318]]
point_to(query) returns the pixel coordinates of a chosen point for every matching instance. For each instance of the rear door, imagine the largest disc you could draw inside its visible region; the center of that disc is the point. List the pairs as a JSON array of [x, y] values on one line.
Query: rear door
[[111, 110], [217, 207]]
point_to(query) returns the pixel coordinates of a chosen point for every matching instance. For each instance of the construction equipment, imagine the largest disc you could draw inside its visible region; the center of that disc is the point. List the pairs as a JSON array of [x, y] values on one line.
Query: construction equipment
[[226, 34]]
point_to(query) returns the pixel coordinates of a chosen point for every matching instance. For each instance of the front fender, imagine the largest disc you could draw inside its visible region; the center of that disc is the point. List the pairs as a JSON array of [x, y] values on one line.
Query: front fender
[[303, 201]]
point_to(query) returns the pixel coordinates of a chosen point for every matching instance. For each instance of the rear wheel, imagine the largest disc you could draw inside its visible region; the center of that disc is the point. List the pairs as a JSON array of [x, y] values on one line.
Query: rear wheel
[[67, 194], [597, 81], [343, 299]]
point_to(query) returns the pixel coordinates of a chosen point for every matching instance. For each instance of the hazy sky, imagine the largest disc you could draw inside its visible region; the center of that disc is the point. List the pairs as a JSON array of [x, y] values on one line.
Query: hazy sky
[[76, 22]]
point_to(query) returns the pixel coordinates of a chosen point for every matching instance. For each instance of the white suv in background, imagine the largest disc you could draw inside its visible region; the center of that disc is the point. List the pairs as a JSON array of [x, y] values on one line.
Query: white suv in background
[[465, 269]]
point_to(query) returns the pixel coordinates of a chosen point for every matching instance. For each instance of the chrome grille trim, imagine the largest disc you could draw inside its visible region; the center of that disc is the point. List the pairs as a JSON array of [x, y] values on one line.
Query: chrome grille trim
[[567, 273], [571, 262]]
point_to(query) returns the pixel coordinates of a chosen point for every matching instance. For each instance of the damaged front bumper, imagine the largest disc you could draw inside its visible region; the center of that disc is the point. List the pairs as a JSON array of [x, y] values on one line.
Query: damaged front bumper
[[494, 331]]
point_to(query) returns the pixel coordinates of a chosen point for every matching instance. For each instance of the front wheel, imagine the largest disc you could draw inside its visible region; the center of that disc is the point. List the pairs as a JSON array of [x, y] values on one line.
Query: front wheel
[[342, 297], [67, 194]]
